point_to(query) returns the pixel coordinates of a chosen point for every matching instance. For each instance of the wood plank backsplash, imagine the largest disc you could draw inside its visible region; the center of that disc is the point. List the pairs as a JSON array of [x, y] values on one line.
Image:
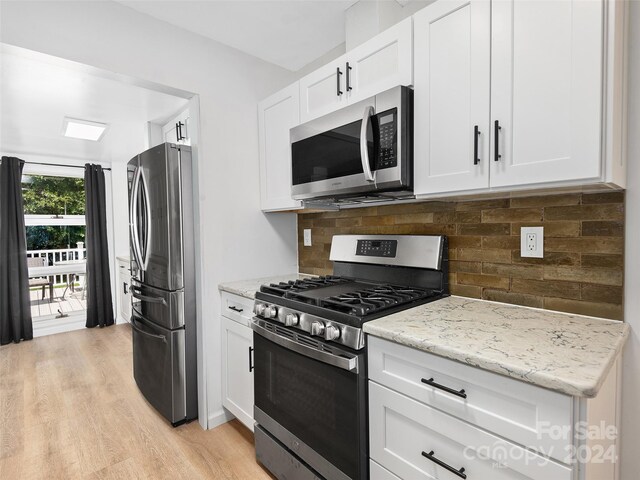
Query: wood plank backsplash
[[582, 268]]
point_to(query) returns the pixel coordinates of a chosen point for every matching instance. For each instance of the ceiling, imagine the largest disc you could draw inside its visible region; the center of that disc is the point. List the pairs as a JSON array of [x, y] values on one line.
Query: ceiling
[[290, 34], [38, 91]]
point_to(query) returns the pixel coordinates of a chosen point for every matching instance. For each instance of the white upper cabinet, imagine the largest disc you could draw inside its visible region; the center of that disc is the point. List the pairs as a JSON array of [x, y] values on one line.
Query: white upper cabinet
[[276, 116], [323, 90], [381, 63], [377, 65], [452, 56], [177, 130], [543, 81], [546, 91]]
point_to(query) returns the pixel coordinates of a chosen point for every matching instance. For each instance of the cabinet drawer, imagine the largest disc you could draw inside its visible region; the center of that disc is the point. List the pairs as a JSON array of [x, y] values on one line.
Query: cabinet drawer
[[523, 413], [403, 430], [237, 308]]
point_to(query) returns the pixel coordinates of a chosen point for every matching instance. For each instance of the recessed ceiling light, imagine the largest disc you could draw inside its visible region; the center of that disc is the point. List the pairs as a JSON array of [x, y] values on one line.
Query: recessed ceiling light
[[83, 129]]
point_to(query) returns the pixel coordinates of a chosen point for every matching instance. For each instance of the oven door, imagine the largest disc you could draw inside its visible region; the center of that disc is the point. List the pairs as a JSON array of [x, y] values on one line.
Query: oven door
[[312, 398]]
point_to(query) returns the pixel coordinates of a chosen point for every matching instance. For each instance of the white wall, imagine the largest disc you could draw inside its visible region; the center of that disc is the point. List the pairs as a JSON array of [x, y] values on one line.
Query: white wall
[[630, 440], [238, 241]]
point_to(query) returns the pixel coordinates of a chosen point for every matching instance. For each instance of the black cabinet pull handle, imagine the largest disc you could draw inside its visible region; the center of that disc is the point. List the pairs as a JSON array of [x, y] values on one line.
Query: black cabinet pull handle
[[348, 78], [431, 457], [235, 309], [476, 133], [179, 126], [250, 359], [459, 393], [496, 133], [124, 288], [338, 74]]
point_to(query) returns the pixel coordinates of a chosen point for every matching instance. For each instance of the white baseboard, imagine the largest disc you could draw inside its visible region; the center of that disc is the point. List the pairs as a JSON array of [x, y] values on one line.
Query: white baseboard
[[218, 418]]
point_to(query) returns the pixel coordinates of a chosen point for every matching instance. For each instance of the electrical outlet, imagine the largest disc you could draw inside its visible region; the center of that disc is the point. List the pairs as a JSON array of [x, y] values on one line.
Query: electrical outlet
[[532, 242], [307, 237]]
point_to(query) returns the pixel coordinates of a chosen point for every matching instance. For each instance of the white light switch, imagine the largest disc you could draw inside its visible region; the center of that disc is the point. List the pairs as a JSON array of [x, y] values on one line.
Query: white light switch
[[307, 237], [532, 242]]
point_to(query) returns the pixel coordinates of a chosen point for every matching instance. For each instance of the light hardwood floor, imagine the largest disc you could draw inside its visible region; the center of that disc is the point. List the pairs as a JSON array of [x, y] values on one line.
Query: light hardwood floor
[[69, 408]]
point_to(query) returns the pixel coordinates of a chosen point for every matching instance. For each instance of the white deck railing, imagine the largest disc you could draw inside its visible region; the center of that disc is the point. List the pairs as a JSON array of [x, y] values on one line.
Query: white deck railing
[[54, 256]]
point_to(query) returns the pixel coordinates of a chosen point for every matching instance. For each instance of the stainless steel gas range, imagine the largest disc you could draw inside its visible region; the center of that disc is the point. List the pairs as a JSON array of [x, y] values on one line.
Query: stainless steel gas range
[[310, 372]]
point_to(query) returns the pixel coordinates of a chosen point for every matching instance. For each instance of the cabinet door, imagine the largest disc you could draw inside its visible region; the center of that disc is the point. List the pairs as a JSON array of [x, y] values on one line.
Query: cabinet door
[[237, 370], [323, 91], [381, 63], [452, 43], [546, 91], [177, 130], [125, 297], [276, 116]]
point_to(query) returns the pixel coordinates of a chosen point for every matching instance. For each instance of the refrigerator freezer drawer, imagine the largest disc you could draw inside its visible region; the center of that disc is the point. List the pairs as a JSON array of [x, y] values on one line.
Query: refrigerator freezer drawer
[[166, 309], [159, 367]]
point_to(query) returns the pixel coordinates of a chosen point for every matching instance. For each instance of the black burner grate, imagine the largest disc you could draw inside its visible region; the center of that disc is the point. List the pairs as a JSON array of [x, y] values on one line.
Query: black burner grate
[[284, 288], [375, 299]]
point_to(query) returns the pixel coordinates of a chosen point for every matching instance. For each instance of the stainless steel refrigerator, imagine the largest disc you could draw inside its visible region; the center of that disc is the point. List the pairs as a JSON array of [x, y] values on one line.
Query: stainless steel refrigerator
[[163, 318]]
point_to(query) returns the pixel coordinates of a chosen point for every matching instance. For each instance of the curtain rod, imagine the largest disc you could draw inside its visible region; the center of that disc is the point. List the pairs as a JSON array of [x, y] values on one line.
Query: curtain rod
[[62, 165]]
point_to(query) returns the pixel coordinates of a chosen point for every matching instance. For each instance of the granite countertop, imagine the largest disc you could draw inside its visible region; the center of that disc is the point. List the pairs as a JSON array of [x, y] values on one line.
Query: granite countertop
[[248, 288], [571, 354]]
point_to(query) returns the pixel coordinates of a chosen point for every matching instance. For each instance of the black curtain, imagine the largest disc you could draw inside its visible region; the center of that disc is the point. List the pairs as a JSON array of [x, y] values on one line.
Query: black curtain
[[15, 311], [99, 302]]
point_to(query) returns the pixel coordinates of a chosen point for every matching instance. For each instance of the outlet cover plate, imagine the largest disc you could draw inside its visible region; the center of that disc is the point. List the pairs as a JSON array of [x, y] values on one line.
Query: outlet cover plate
[[307, 237], [532, 242]]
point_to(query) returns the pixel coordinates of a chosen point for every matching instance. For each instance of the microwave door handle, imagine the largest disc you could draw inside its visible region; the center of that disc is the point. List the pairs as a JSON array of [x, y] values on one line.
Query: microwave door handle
[[369, 176], [133, 217]]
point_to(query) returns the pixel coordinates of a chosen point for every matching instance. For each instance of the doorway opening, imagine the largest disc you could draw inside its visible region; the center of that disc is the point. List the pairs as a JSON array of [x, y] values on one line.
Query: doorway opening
[[56, 254]]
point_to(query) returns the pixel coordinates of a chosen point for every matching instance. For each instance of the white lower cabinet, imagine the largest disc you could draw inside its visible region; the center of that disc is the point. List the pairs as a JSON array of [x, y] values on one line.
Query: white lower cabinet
[[407, 432], [237, 359], [124, 283], [431, 417]]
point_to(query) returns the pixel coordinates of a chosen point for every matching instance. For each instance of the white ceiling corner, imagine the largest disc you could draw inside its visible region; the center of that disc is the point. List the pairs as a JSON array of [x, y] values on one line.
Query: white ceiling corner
[[289, 34]]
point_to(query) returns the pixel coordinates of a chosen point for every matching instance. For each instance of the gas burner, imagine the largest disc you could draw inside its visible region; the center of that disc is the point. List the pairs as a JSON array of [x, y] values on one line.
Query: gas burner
[[375, 299], [283, 288]]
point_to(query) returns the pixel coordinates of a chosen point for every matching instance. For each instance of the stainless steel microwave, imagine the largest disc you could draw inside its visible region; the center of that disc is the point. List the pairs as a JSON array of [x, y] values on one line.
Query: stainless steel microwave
[[361, 149]]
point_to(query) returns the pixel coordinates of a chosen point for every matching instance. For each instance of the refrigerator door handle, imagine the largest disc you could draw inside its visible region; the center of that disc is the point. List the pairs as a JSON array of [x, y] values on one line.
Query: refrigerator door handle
[[135, 293], [148, 230], [133, 218], [148, 334]]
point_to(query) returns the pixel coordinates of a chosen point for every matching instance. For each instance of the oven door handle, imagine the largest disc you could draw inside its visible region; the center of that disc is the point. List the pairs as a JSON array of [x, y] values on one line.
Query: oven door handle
[[348, 364]]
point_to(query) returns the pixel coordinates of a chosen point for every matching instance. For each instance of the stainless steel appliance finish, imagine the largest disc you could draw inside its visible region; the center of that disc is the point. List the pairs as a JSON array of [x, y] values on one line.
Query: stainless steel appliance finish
[[163, 280], [418, 251], [275, 456], [310, 352], [363, 148]]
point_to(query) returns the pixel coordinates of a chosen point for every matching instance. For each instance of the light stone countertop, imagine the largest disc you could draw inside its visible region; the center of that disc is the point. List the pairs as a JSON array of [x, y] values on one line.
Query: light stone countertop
[[571, 354], [248, 288]]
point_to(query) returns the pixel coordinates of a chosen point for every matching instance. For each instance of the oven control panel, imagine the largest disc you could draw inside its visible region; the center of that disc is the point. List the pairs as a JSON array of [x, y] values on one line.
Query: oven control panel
[[377, 248]]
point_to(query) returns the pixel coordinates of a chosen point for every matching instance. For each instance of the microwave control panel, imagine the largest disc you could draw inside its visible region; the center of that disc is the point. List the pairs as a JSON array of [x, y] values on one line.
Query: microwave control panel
[[388, 128]]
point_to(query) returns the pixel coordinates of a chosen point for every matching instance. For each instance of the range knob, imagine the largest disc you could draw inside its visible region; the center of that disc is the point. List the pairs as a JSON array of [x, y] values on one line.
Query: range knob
[[271, 312], [331, 332], [317, 328], [259, 308], [291, 319]]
